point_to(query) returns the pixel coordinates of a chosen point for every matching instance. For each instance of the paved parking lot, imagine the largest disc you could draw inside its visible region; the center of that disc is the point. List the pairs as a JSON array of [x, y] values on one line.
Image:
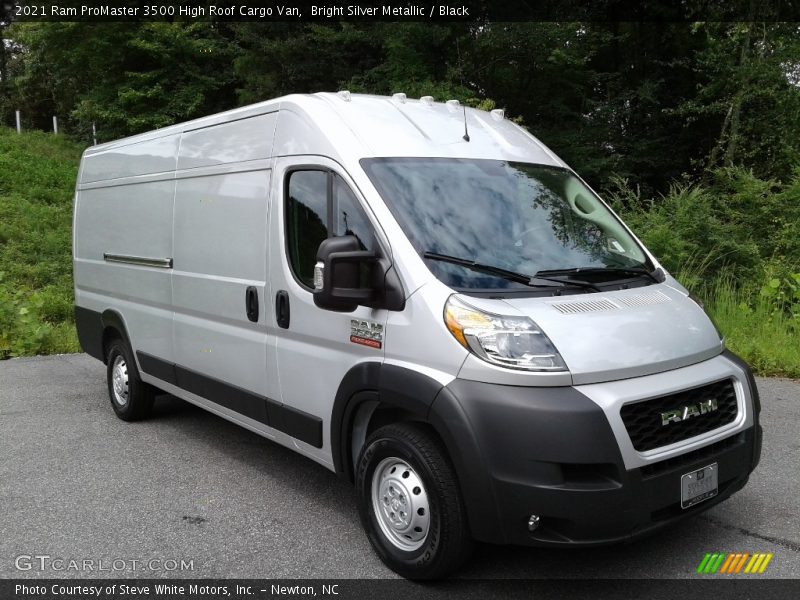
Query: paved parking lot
[[77, 483]]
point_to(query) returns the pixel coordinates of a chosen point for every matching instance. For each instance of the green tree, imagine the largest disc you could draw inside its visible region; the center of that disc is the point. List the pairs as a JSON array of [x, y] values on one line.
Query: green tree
[[749, 88], [378, 58], [128, 77], [9, 51], [595, 92], [647, 101], [284, 58]]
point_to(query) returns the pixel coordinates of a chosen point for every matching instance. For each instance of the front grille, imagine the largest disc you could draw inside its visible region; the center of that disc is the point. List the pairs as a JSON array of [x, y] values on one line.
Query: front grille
[[644, 422]]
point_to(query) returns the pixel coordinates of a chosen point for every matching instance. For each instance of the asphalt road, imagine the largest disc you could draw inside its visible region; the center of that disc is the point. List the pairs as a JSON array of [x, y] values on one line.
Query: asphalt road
[[77, 483]]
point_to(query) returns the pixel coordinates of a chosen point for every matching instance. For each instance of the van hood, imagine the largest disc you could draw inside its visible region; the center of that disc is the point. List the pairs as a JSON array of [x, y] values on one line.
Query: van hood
[[627, 333]]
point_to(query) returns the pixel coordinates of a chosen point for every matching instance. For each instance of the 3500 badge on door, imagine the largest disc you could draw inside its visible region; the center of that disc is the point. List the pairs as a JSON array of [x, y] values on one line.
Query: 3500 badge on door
[[366, 333]]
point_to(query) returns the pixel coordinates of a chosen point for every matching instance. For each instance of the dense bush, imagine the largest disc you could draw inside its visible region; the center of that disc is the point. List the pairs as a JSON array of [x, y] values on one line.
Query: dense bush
[[734, 224]]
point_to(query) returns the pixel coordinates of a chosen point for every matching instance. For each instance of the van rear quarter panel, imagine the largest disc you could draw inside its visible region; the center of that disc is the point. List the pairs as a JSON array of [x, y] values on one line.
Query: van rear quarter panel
[[124, 206], [154, 155]]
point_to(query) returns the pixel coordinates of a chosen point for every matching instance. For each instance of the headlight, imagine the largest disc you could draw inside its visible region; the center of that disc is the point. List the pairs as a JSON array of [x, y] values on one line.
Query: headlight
[[508, 341]]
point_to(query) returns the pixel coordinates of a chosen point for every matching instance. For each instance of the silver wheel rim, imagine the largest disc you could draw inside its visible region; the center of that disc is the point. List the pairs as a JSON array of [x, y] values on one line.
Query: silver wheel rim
[[119, 381], [400, 504]]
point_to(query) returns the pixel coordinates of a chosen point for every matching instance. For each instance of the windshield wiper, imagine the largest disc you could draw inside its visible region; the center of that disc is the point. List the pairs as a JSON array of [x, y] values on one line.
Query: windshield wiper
[[507, 274], [481, 268], [635, 271]]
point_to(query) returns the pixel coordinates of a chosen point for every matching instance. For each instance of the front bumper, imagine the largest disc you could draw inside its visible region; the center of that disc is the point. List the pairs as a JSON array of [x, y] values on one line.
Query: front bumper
[[552, 452], [586, 511]]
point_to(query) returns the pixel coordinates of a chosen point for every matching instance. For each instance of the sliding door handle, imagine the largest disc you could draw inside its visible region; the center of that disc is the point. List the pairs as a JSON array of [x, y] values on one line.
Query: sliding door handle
[[282, 309], [251, 303]]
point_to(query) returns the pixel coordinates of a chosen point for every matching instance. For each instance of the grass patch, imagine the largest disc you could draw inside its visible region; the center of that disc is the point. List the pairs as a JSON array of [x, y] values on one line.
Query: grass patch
[[765, 336], [37, 180]]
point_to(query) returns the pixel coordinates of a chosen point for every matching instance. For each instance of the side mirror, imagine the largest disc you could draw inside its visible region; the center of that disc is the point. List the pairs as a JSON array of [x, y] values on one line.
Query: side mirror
[[346, 277]]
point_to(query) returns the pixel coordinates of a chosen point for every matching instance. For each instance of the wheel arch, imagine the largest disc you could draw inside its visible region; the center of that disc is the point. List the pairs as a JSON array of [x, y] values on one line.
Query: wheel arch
[[374, 394], [96, 330], [372, 388], [113, 327]]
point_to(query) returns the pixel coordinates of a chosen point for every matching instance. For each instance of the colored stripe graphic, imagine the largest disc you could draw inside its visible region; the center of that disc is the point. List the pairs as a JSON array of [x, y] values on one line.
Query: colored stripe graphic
[[703, 563], [719, 562], [711, 562], [764, 564], [727, 564], [733, 563], [757, 566], [714, 562], [752, 563], [740, 564]]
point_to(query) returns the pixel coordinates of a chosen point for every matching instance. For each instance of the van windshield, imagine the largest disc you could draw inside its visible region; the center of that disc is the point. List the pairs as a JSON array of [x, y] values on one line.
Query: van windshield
[[513, 217]]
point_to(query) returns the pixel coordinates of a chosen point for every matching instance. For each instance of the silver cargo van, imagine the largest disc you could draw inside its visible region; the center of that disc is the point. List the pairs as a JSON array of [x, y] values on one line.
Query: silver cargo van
[[422, 298]]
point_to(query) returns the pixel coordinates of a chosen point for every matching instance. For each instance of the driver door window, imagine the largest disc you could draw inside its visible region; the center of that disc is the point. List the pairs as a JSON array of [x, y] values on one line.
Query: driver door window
[[319, 204]]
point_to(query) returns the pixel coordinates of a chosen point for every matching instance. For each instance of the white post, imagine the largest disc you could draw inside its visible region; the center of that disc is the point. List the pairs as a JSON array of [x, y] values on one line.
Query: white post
[[94, 134], [55, 125], [19, 124]]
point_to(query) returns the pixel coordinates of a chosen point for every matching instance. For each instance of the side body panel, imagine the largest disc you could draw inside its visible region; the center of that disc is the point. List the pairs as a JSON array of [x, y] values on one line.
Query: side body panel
[[124, 205], [220, 233]]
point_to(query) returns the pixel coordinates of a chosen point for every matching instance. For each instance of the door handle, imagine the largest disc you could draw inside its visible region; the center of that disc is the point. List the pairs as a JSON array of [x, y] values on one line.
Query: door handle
[[282, 309], [251, 303]]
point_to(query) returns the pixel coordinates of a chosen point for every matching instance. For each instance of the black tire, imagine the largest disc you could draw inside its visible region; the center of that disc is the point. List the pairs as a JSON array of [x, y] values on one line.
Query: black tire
[[447, 542], [139, 395]]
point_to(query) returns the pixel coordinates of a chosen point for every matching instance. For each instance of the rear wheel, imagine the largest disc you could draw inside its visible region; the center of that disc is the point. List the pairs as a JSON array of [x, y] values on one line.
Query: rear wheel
[[410, 503], [131, 398]]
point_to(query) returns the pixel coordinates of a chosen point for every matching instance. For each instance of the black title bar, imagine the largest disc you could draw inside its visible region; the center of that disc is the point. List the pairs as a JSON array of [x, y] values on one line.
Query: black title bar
[[404, 10]]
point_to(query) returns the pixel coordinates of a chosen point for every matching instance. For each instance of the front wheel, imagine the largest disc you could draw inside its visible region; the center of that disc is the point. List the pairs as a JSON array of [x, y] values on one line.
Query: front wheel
[[410, 503]]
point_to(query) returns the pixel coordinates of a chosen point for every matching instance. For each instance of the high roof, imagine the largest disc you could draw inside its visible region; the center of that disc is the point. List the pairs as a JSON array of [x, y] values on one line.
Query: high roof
[[399, 126], [359, 125]]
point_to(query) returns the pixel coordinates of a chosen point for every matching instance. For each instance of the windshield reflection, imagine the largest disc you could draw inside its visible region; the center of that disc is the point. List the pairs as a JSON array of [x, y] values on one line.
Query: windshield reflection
[[520, 217]]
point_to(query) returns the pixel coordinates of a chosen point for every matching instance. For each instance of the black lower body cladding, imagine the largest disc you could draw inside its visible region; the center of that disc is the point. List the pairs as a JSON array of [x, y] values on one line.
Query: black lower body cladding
[[551, 452], [89, 325]]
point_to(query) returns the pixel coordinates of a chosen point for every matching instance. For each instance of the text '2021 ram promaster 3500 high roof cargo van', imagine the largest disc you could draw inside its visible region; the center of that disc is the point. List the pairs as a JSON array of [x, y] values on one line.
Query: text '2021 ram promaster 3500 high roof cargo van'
[[422, 298]]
